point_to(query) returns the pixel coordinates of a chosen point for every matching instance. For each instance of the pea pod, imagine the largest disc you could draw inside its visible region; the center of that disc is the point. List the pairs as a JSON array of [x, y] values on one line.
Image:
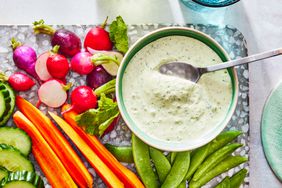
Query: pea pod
[[222, 139], [161, 163], [225, 165], [121, 153], [178, 170], [172, 157], [141, 157], [182, 184], [215, 159], [237, 179], [225, 183], [197, 158]]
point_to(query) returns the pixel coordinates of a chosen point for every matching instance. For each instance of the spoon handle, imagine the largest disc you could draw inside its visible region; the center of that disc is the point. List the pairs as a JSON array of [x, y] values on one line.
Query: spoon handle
[[249, 59]]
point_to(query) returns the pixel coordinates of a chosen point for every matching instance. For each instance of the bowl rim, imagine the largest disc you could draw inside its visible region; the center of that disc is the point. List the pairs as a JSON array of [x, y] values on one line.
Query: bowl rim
[[215, 5], [175, 146]]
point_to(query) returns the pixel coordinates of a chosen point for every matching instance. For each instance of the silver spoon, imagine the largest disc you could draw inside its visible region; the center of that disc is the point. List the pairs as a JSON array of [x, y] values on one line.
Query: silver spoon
[[189, 72]]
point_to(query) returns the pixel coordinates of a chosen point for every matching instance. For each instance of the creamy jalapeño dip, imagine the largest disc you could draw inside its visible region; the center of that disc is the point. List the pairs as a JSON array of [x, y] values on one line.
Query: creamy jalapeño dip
[[170, 108]]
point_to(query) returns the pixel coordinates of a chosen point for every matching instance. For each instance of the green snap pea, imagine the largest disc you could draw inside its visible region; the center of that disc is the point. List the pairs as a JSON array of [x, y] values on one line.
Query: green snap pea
[[225, 183], [178, 170], [197, 158], [215, 159], [172, 157], [142, 161], [225, 165], [182, 184], [168, 156], [161, 163], [122, 153], [237, 179], [222, 139]]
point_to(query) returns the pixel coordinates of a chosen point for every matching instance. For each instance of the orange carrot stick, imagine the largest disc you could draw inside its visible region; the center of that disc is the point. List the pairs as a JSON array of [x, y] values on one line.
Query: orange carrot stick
[[127, 176], [50, 164], [57, 142], [104, 172]]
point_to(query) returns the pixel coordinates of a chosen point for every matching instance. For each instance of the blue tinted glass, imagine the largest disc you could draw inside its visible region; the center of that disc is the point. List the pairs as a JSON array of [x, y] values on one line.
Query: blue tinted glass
[[216, 2]]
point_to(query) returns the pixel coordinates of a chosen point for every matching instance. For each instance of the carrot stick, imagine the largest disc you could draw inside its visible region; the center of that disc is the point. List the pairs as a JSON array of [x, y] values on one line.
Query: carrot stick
[[127, 176], [50, 164], [57, 142], [104, 172]]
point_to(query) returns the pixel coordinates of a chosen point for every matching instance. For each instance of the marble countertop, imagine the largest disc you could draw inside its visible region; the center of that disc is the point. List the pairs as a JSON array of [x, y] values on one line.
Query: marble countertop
[[260, 22]]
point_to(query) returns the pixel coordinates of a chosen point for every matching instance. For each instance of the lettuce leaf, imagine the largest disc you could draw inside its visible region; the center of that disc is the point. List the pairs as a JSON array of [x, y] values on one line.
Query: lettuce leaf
[[118, 34], [96, 121]]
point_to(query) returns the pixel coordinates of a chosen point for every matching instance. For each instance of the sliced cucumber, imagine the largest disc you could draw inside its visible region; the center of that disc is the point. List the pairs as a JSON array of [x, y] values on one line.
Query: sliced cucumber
[[2, 104], [9, 97], [17, 138], [3, 173], [26, 176], [18, 184], [13, 160]]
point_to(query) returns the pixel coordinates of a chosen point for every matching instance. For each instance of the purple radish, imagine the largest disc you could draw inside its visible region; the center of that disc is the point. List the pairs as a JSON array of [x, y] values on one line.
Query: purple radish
[[53, 93], [98, 77], [24, 57], [81, 63], [68, 41], [41, 67]]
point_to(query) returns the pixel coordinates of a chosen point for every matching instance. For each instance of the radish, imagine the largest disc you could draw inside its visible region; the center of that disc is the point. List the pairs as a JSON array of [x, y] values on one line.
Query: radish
[[68, 41], [53, 93], [57, 65], [81, 63], [18, 81], [110, 61], [24, 57], [98, 77], [82, 99], [41, 67], [98, 38]]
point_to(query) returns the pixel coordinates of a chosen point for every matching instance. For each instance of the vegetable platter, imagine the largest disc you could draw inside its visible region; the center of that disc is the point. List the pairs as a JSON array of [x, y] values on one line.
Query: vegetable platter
[[230, 38]]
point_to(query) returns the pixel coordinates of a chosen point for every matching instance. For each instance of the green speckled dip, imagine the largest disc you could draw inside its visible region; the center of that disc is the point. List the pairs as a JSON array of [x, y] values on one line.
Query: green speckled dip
[[171, 145]]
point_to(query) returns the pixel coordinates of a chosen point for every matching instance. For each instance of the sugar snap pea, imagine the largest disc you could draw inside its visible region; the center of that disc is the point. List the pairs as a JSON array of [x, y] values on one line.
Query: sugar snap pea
[[197, 158], [122, 153], [172, 157], [142, 161], [161, 163], [222, 139], [215, 159], [182, 184], [178, 170], [225, 183], [225, 165], [237, 179]]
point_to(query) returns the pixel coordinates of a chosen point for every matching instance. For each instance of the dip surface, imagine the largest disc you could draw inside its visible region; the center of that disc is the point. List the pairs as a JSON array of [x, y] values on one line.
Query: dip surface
[[169, 108]]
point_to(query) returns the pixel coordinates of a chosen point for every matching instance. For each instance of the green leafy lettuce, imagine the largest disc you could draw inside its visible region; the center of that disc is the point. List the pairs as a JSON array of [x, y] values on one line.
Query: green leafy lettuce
[[96, 121], [118, 34]]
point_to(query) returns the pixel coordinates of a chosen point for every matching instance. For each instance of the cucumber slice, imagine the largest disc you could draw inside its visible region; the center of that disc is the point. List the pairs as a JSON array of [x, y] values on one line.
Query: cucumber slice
[[26, 176], [17, 138], [13, 160], [9, 97], [2, 104], [18, 184], [3, 173]]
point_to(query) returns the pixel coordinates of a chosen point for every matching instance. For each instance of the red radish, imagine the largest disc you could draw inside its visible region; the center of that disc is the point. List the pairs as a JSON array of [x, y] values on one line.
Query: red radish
[[24, 57], [98, 38], [81, 63], [70, 43], [18, 81], [82, 99], [57, 65], [53, 93], [41, 67]]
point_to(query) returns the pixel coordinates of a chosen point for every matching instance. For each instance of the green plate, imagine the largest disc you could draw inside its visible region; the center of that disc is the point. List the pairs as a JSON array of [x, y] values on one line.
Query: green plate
[[271, 130]]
